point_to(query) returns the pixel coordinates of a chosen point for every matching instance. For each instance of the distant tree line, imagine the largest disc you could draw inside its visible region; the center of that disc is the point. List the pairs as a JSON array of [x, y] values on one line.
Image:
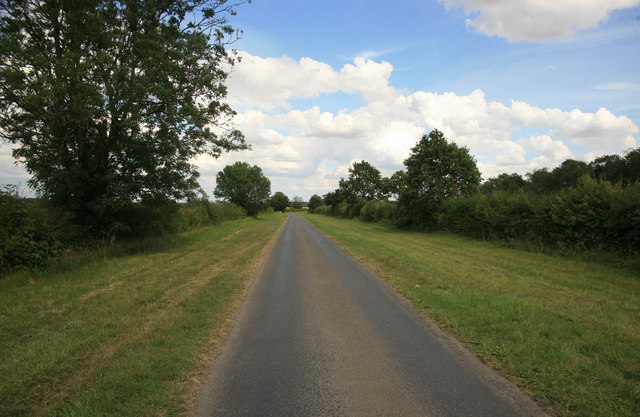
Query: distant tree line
[[577, 205]]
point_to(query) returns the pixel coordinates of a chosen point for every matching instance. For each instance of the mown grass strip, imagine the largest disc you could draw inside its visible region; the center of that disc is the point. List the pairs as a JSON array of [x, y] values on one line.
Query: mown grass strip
[[127, 334], [566, 331]]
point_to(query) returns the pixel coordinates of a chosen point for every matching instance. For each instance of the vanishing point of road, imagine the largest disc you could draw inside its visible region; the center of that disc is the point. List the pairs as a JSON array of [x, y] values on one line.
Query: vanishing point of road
[[319, 335]]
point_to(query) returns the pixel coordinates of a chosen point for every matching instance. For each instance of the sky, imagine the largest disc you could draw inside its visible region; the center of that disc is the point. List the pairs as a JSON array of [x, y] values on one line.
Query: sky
[[522, 84]]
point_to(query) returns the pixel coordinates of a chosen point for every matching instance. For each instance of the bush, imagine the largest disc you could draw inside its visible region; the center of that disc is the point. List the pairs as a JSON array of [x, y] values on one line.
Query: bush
[[589, 216], [326, 210], [31, 234], [598, 215], [379, 211]]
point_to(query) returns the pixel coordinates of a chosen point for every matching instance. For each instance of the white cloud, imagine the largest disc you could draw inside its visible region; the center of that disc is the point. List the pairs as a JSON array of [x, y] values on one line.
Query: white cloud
[[549, 151], [535, 20], [270, 83], [306, 150]]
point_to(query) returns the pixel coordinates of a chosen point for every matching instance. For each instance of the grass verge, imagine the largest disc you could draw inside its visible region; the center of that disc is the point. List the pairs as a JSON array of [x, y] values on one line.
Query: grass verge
[[127, 333], [566, 331]]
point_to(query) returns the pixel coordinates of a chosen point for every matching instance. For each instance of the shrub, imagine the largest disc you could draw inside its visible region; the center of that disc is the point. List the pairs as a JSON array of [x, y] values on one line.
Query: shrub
[[31, 234], [378, 211], [326, 210]]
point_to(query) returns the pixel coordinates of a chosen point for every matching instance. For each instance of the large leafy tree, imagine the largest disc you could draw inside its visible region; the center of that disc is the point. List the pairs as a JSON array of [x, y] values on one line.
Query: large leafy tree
[[109, 101], [436, 170], [363, 185], [244, 185], [314, 202], [279, 201]]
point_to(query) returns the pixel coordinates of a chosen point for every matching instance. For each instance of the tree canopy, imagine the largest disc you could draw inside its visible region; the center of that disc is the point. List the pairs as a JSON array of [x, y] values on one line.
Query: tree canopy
[[314, 202], [110, 101], [436, 170], [510, 183], [363, 185], [279, 201], [245, 186]]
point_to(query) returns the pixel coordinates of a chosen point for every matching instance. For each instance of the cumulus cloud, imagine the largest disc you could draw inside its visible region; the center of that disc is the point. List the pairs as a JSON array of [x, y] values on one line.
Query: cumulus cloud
[[270, 83], [306, 150], [535, 20]]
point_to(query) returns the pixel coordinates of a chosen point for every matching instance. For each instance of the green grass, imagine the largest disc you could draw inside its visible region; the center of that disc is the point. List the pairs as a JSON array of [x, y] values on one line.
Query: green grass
[[566, 331], [127, 331]]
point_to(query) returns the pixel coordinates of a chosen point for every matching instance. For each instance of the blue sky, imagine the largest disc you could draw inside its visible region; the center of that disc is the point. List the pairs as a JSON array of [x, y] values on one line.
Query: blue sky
[[523, 84], [433, 49]]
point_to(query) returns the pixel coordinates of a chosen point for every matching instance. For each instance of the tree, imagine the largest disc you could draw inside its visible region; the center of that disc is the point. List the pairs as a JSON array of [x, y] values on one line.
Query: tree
[[392, 186], [607, 168], [245, 186], [631, 167], [363, 185], [333, 198], [436, 170], [279, 201], [539, 181], [110, 101], [297, 202], [509, 183], [314, 202], [567, 174]]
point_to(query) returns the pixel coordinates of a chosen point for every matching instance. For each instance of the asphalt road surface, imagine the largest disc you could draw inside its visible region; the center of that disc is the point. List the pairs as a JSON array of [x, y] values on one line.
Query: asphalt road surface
[[319, 335]]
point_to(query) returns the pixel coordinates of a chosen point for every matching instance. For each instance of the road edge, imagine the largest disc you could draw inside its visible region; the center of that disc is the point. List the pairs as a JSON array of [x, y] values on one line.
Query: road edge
[[210, 356], [499, 382]]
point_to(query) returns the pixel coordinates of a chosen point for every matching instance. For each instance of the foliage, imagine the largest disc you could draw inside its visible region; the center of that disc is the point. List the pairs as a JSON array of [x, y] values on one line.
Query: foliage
[[334, 198], [110, 101], [363, 185], [392, 187], [279, 201], [30, 235], [314, 202], [33, 233], [510, 183], [598, 215], [324, 209], [435, 171], [592, 215], [568, 173], [570, 208], [203, 213], [499, 215], [615, 168], [379, 211], [245, 186]]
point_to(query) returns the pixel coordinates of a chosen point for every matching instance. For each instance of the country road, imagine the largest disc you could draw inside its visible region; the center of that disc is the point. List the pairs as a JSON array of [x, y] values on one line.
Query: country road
[[319, 335]]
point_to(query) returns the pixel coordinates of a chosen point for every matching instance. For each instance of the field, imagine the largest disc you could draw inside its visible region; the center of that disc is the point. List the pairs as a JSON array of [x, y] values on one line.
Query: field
[[566, 331], [127, 330]]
